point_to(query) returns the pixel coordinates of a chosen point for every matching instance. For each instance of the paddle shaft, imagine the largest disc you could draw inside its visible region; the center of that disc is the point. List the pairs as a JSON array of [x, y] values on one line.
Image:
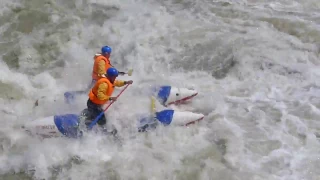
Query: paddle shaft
[[94, 122]]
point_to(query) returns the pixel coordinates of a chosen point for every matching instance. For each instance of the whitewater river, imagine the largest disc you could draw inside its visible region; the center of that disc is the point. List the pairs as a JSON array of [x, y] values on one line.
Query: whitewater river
[[255, 64]]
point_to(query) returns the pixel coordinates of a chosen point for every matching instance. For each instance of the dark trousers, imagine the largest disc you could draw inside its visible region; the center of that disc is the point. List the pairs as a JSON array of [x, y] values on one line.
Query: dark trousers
[[94, 111]]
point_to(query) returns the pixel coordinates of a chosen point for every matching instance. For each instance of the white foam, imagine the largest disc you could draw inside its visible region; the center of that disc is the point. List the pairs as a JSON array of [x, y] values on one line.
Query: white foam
[[266, 107]]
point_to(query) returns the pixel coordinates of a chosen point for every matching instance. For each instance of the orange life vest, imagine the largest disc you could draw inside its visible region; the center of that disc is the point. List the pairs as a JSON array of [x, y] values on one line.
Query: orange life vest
[[97, 58], [94, 91]]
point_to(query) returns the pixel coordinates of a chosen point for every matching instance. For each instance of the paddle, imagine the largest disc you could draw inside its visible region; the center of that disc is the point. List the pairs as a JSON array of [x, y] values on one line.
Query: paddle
[[94, 122], [149, 121], [129, 72]]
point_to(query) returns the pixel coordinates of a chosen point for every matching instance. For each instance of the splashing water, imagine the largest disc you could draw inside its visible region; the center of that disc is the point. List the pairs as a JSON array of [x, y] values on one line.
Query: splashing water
[[255, 64]]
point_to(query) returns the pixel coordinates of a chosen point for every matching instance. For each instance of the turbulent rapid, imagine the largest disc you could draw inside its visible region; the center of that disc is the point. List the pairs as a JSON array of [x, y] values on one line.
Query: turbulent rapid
[[254, 63]]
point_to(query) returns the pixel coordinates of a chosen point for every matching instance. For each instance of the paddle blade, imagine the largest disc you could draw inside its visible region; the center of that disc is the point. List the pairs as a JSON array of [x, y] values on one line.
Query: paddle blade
[[70, 96], [130, 72]]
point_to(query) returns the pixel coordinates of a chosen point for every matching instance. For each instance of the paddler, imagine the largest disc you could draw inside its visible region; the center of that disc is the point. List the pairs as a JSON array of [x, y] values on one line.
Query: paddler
[[101, 93], [101, 64]]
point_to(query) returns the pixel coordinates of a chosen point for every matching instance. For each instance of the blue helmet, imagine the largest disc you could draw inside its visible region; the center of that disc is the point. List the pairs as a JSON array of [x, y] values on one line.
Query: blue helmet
[[106, 50], [112, 72]]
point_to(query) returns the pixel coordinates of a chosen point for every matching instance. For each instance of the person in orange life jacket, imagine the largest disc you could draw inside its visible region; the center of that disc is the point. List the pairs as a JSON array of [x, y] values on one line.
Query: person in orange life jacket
[[102, 93], [101, 64]]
